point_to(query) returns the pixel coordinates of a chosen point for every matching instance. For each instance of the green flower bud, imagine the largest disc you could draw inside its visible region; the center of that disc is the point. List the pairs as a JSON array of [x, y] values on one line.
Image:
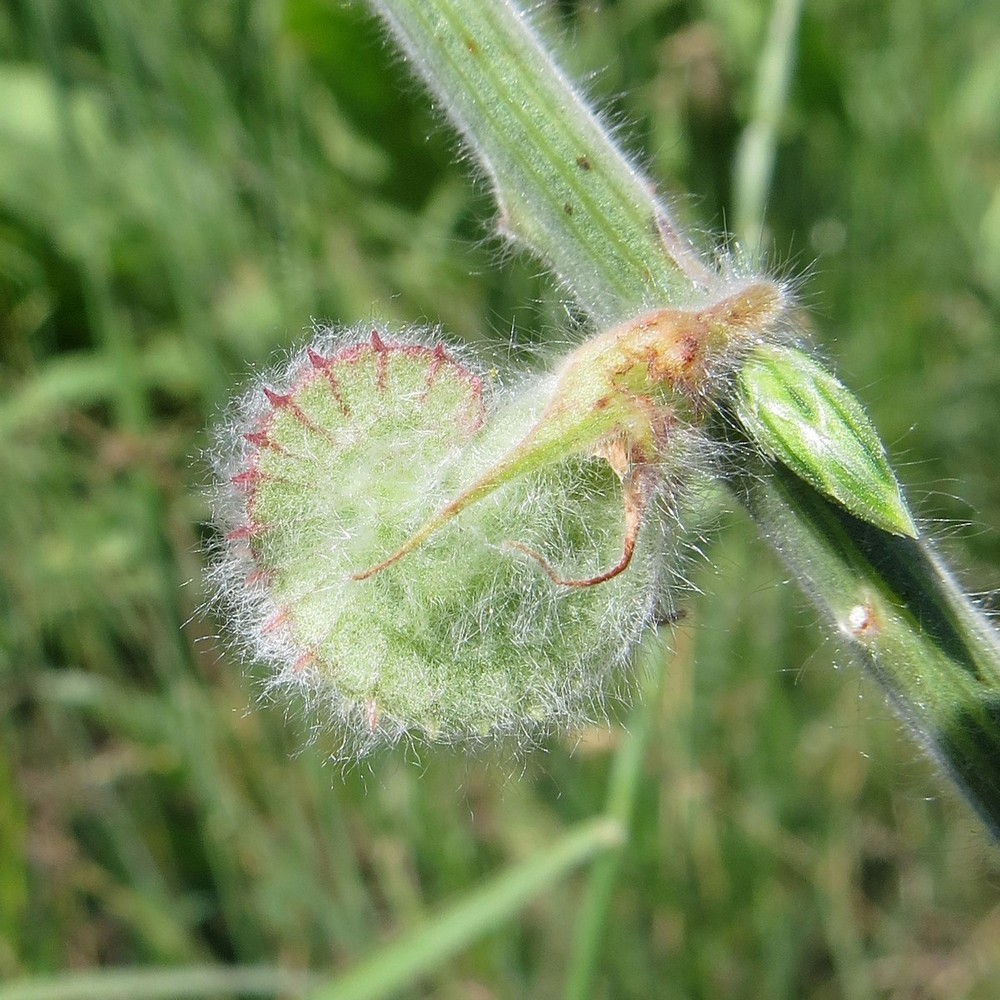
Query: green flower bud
[[802, 416]]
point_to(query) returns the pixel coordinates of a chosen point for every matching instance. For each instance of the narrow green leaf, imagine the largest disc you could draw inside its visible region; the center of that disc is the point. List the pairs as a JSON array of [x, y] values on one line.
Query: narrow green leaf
[[802, 416], [193, 982], [400, 964]]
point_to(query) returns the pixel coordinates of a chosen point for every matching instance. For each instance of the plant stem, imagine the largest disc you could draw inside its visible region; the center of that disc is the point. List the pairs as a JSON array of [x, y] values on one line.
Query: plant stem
[[562, 188], [903, 614], [569, 194]]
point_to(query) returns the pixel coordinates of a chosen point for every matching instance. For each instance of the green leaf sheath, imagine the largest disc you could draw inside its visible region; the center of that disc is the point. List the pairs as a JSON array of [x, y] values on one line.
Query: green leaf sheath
[[569, 194]]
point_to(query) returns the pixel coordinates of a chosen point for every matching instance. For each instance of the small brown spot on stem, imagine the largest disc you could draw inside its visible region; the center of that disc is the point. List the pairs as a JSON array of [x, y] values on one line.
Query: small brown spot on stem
[[567, 208], [690, 352], [471, 47], [863, 623], [583, 162]]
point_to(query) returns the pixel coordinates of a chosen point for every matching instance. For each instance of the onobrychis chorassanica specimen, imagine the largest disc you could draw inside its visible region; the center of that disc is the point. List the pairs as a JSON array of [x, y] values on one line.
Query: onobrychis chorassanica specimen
[[422, 550], [427, 553]]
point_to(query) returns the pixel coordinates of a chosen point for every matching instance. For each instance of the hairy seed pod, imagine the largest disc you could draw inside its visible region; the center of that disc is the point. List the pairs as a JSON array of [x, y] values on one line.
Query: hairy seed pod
[[340, 458]]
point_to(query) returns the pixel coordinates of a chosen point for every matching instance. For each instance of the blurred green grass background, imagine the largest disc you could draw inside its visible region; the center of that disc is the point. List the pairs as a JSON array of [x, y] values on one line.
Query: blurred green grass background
[[183, 186]]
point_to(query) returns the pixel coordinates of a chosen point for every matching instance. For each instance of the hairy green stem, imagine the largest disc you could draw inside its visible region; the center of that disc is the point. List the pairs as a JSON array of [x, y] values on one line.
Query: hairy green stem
[[569, 194], [562, 188], [902, 612], [869, 579]]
